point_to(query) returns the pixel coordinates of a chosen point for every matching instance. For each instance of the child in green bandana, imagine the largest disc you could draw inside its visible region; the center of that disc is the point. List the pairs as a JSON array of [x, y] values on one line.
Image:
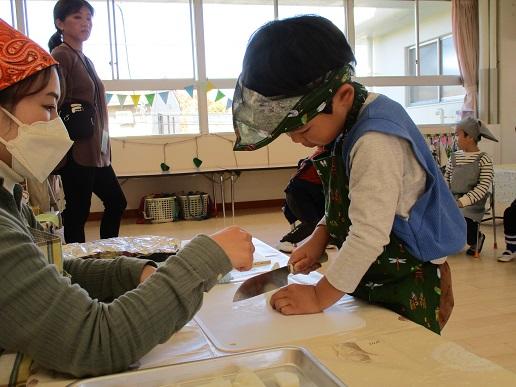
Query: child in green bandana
[[387, 204]]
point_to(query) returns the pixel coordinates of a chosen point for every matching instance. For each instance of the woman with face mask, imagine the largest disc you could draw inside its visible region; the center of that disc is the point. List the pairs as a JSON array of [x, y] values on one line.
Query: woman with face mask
[[88, 166], [64, 322]]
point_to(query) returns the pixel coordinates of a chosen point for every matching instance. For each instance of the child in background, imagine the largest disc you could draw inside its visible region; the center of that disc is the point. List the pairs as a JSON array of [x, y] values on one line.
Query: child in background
[[387, 203], [509, 229], [469, 174], [304, 201]]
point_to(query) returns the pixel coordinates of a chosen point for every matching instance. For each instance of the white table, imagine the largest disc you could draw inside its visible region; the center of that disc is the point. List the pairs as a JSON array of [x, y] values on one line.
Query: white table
[[217, 176], [388, 351]]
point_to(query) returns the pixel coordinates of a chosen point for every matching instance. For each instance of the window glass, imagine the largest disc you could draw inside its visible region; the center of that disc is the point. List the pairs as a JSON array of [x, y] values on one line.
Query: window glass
[[332, 10], [41, 27], [434, 19], [148, 112], [154, 39], [450, 66], [227, 28], [441, 113], [449, 63], [5, 11], [40, 23], [438, 57], [220, 118], [383, 30], [429, 65]]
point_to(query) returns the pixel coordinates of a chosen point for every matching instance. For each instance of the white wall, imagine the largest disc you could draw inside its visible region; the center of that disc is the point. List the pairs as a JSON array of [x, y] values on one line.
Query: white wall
[[144, 156]]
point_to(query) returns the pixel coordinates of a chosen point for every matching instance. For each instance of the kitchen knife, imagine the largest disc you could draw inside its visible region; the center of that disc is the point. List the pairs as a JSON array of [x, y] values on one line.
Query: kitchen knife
[[268, 281]]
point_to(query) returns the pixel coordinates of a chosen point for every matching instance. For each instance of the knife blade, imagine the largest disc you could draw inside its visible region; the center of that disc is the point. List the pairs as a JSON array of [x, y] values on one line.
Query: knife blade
[[266, 282]]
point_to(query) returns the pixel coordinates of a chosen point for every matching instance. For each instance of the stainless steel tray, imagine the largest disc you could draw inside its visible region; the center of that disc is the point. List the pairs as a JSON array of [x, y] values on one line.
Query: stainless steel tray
[[263, 363]]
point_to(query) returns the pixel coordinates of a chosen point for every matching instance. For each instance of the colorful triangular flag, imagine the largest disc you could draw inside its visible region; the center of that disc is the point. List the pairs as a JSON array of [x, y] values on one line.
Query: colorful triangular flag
[[197, 162], [136, 99], [189, 90], [209, 86], [150, 98], [121, 98], [219, 95], [229, 104], [164, 96], [108, 97]]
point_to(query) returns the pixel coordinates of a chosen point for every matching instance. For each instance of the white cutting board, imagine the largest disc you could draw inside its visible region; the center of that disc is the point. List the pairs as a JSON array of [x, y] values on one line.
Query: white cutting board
[[252, 323]]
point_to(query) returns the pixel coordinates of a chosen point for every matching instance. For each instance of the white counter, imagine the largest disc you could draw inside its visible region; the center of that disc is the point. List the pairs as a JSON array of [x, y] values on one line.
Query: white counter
[[387, 351]]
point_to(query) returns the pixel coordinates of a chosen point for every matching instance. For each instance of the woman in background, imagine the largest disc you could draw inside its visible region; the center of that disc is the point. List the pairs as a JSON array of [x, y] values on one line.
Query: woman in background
[[88, 166]]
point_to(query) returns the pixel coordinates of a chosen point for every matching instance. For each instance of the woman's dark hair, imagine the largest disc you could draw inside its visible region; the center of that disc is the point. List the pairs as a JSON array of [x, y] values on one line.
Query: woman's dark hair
[[62, 9], [12, 95], [285, 57]]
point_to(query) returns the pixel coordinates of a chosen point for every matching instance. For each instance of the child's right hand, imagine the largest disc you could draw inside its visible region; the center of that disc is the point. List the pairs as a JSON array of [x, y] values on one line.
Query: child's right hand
[[305, 258]]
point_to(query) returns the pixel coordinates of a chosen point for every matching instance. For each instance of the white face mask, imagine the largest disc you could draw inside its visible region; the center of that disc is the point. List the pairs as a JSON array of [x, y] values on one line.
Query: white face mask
[[39, 147]]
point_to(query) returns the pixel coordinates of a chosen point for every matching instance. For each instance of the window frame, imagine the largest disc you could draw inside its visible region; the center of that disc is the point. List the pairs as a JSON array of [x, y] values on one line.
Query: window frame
[[199, 61], [440, 99]]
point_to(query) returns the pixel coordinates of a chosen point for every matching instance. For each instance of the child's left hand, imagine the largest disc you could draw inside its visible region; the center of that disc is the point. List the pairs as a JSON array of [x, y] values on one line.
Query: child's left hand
[[296, 299], [305, 299]]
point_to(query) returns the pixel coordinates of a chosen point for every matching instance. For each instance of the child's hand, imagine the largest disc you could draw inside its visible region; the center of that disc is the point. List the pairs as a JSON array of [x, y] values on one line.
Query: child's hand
[[305, 258], [296, 299], [305, 299]]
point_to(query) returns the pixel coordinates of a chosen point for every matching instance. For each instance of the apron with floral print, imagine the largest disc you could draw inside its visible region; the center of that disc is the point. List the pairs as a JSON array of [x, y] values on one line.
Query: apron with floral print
[[396, 280]]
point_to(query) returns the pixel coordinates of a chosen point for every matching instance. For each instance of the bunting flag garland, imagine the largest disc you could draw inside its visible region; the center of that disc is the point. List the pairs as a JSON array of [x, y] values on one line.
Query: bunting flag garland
[[136, 99], [121, 99], [150, 98], [219, 95], [189, 90], [164, 96]]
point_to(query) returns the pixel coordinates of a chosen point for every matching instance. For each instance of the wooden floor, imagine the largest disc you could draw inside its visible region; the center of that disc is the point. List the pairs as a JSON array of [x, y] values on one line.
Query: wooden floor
[[484, 318]]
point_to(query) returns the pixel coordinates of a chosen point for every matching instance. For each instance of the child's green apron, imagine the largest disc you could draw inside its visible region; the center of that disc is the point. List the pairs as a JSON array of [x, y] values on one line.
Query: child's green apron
[[396, 280]]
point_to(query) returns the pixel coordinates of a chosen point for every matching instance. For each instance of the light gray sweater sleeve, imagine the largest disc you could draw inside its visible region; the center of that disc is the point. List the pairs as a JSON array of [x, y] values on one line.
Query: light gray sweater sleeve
[[385, 180], [62, 328]]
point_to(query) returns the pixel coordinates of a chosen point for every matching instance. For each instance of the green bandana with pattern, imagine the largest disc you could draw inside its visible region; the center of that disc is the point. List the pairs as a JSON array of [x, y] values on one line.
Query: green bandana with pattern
[[258, 120]]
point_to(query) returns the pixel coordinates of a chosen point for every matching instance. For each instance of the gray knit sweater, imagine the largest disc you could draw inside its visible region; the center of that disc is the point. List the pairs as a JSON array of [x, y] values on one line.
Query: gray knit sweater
[[101, 321]]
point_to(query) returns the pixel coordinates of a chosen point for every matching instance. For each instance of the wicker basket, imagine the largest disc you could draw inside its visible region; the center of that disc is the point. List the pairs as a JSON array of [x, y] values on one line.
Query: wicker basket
[[161, 210], [194, 205]]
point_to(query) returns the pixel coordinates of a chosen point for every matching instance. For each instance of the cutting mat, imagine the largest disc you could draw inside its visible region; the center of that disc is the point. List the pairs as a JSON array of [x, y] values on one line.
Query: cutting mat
[[252, 323]]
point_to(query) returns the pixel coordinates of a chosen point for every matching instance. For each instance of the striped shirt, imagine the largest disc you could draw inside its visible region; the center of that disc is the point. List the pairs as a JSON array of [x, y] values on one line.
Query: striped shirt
[[485, 179]]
